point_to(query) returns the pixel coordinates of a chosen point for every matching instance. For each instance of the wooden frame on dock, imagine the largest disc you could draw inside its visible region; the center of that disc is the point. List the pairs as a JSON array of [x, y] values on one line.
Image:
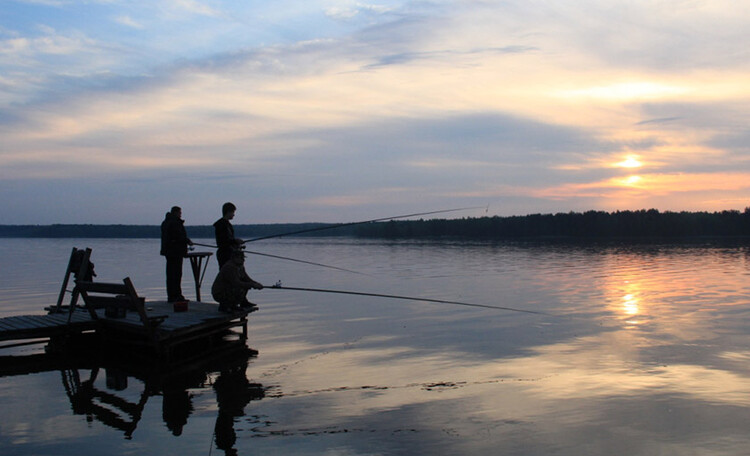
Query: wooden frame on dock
[[116, 299], [81, 268]]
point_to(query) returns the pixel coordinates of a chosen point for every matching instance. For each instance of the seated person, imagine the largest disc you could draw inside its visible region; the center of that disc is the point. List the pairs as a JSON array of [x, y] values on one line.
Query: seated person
[[232, 283]]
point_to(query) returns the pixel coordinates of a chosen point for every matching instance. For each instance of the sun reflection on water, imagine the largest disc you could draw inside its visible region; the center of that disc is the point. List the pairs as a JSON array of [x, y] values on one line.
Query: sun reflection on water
[[630, 304]]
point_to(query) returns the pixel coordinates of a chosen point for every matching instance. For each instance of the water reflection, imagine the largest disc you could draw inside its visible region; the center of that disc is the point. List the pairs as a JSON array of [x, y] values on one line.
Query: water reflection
[[115, 394], [233, 392], [648, 354]]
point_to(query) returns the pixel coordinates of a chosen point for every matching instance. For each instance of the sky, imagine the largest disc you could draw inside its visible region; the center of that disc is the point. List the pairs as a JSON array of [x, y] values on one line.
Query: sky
[[112, 111]]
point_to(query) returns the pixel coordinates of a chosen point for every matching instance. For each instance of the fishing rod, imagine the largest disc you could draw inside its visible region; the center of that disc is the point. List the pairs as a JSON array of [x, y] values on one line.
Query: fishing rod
[[278, 286], [339, 225], [279, 257]]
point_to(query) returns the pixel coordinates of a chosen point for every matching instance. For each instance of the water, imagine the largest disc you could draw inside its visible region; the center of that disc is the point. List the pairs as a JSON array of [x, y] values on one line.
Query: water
[[645, 351]]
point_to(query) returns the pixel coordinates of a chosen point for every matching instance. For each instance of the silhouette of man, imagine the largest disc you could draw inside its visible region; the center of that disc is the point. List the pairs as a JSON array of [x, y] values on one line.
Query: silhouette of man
[[233, 393], [174, 246], [224, 231], [232, 284]]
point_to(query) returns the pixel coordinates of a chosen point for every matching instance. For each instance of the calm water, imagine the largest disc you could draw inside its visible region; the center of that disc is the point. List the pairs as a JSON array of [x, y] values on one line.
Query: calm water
[[646, 352]]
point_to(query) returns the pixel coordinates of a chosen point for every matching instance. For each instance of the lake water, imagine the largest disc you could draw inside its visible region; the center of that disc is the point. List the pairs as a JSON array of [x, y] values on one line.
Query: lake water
[[642, 350]]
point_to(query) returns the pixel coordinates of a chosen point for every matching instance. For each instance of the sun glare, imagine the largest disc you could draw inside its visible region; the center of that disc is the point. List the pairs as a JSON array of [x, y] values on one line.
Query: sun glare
[[631, 181], [631, 161], [630, 304]]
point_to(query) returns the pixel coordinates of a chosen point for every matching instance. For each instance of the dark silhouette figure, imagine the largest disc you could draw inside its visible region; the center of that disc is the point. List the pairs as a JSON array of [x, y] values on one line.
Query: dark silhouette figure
[[176, 407], [233, 393], [224, 231], [174, 246], [232, 283]]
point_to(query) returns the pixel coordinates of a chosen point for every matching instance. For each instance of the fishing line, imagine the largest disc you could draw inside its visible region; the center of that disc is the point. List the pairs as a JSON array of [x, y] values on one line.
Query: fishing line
[[290, 259], [305, 262], [278, 286]]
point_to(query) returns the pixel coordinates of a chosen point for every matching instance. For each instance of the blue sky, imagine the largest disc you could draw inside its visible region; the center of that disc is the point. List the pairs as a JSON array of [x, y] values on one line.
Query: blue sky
[[113, 111]]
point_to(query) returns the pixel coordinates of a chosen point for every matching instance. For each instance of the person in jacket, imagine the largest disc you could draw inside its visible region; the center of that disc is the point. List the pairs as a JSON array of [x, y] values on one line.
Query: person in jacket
[[224, 231], [174, 246], [232, 284]]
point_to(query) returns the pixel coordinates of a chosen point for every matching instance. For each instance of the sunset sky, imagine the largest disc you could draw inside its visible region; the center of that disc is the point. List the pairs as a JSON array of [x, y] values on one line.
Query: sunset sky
[[112, 111]]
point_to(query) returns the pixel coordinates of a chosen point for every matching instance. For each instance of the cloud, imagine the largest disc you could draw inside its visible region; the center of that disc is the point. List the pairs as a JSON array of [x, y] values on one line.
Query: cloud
[[129, 22], [357, 10], [340, 104], [192, 7]]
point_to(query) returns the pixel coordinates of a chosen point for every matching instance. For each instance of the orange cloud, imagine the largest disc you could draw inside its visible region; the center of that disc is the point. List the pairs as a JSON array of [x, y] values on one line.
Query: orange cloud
[[643, 185]]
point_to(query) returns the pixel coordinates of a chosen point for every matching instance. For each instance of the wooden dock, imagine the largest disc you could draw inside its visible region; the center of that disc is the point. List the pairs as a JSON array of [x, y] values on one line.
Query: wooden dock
[[116, 314], [200, 321]]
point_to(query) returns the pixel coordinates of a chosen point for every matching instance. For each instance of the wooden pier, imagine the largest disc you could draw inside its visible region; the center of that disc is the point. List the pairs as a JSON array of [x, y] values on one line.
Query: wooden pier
[[117, 315], [43, 326], [201, 321]]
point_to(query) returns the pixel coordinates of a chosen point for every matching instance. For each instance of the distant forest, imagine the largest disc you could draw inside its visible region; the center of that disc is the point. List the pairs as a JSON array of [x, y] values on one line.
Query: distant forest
[[590, 224]]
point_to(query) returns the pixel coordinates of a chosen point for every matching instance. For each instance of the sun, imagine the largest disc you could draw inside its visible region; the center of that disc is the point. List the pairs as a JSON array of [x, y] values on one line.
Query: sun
[[631, 161]]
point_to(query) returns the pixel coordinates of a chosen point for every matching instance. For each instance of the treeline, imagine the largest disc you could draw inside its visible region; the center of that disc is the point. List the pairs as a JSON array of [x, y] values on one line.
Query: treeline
[[145, 231], [590, 224]]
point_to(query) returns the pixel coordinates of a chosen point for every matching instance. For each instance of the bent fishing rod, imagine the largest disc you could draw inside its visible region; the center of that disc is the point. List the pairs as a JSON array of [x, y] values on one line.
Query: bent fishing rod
[[278, 286], [337, 225], [340, 225]]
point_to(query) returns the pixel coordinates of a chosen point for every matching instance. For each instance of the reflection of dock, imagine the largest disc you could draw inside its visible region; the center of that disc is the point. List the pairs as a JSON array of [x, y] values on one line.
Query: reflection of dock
[[116, 313], [115, 390]]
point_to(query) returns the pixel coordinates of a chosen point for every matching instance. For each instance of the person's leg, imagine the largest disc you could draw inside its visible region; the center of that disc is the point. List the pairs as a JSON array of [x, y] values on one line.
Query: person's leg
[[227, 302], [178, 280], [245, 304], [170, 279], [174, 279]]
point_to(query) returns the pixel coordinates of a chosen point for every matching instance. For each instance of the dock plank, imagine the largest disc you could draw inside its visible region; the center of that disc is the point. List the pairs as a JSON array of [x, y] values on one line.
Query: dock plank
[[20, 327], [4, 325], [34, 321]]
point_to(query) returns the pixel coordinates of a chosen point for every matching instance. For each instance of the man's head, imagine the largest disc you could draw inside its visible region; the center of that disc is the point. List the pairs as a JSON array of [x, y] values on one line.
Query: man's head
[[227, 210], [176, 211]]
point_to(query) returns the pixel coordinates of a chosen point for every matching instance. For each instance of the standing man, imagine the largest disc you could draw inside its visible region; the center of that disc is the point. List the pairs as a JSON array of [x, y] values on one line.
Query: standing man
[[174, 246], [225, 240]]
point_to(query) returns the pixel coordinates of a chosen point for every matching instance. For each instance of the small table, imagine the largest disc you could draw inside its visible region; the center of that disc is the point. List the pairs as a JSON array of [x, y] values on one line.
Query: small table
[[196, 263]]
